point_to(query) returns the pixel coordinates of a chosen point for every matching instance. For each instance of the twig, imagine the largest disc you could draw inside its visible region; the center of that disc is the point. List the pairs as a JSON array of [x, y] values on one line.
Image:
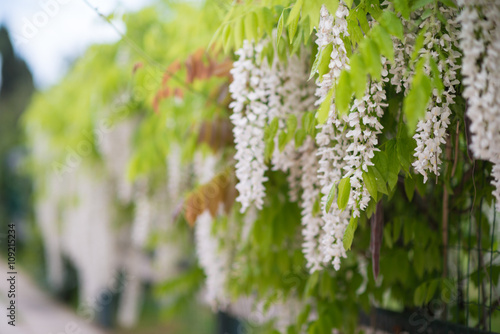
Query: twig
[[445, 215], [471, 158], [457, 136]]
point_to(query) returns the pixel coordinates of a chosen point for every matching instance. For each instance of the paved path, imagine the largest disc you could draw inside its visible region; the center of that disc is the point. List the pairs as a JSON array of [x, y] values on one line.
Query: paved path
[[36, 311]]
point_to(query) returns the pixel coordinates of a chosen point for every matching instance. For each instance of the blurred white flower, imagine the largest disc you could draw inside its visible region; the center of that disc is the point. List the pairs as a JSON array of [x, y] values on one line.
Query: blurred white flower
[[250, 92], [480, 44]]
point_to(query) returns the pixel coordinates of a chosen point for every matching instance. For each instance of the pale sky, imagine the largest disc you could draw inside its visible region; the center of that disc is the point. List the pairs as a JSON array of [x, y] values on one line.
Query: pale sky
[[49, 34]]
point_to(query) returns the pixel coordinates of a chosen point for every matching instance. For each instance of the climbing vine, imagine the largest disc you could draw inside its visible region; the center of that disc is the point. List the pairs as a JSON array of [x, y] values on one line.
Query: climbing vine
[[325, 155]]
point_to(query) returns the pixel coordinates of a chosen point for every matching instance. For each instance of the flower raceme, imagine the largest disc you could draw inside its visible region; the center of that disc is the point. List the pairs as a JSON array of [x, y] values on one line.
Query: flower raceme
[[345, 145]]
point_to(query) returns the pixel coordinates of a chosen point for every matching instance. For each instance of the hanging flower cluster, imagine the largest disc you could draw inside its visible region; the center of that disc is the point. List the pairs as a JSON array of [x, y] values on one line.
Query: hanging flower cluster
[[332, 138], [431, 131], [252, 100], [311, 222], [295, 96], [141, 224], [212, 258], [355, 162], [480, 43], [343, 147], [263, 92], [364, 126]]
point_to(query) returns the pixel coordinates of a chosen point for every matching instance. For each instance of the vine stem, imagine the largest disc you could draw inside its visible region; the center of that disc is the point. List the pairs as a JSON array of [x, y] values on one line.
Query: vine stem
[[446, 213]]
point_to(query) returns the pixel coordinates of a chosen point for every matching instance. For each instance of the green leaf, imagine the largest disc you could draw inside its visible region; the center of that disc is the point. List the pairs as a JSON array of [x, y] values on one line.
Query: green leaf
[[281, 23], [298, 42], [448, 3], [331, 5], [303, 316], [370, 209], [291, 126], [393, 163], [396, 229], [300, 136], [324, 62], [381, 163], [402, 7], [358, 76], [251, 25], [226, 37], [392, 23], [282, 52], [354, 29], [307, 119], [409, 187], [426, 14], [371, 57], [441, 18], [344, 93], [311, 283], [282, 140], [348, 3], [313, 329], [384, 42], [314, 68], [266, 20], [216, 36], [325, 290], [330, 198], [431, 290], [310, 15], [292, 27], [405, 149], [371, 184], [324, 108], [273, 127], [379, 179], [295, 12], [436, 76], [239, 34], [349, 233], [373, 8], [363, 22], [419, 43], [415, 103], [387, 236], [316, 208], [269, 149], [407, 233], [343, 193], [419, 184], [417, 4], [419, 296], [347, 44], [269, 53]]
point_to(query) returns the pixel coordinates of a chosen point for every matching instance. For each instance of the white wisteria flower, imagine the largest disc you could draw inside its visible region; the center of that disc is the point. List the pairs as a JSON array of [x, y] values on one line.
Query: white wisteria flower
[[331, 139], [213, 260], [296, 96], [431, 131], [249, 90], [480, 44], [363, 129], [311, 221]]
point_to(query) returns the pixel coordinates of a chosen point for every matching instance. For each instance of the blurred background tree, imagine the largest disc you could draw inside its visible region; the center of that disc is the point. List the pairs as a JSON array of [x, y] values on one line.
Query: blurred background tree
[[15, 93]]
